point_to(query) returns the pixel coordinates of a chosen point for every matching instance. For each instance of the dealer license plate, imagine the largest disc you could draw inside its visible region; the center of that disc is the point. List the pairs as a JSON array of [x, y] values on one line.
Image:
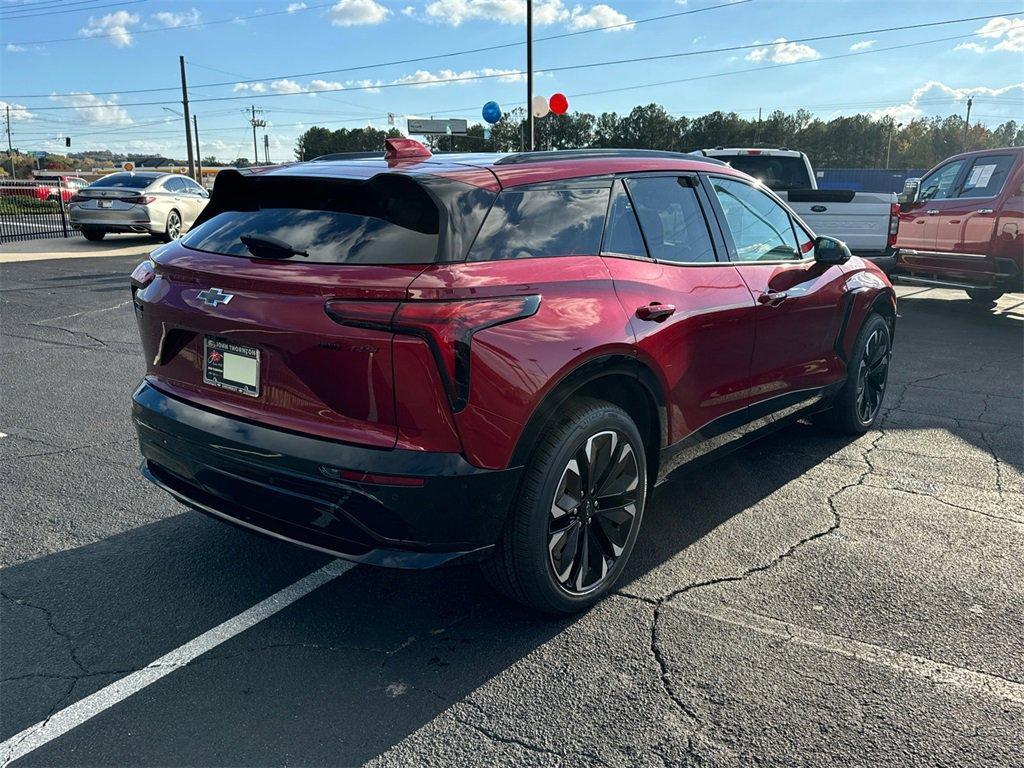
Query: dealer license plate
[[231, 366]]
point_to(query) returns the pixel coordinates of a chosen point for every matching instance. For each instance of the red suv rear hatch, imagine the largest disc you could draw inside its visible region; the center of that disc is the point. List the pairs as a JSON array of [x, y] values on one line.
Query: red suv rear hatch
[[213, 303]]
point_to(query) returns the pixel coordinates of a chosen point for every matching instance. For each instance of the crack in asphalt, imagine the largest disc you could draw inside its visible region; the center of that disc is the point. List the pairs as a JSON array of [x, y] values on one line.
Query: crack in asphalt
[[72, 649]]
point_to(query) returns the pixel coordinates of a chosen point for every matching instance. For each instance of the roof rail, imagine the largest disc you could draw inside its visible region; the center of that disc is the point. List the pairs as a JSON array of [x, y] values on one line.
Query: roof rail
[[347, 156], [522, 158]]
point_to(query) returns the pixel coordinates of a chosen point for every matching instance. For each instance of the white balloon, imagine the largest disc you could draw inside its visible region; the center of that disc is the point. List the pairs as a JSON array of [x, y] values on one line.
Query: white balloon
[[540, 106]]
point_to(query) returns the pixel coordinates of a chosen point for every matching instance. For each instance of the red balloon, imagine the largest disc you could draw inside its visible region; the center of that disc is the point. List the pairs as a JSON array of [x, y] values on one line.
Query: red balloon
[[559, 104]]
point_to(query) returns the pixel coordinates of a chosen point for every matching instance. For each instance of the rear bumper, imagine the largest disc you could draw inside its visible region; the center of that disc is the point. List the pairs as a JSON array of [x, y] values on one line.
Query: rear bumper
[[293, 487], [114, 221]]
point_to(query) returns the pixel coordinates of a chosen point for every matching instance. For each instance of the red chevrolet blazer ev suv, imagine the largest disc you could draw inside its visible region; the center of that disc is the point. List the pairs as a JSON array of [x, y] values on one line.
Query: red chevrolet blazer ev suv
[[412, 359]]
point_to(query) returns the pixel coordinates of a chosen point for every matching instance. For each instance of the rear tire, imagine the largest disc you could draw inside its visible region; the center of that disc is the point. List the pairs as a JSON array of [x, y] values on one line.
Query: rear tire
[[93, 235], [858, 405], [561, 551], [172, 229], [984, 297]]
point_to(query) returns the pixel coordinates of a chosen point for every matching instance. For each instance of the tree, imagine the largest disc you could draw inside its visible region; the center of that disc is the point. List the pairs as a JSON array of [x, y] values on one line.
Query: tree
[[208, 161], [240, 162]]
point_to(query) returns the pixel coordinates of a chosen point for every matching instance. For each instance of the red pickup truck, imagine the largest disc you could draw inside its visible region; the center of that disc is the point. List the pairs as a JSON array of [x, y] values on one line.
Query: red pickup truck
[[962, 225]]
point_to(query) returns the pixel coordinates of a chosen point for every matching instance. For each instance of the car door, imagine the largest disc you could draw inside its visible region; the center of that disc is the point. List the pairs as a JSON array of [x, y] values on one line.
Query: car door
[[919, 222], [967, 219], [196, 197], [798, 299], [688, 308]]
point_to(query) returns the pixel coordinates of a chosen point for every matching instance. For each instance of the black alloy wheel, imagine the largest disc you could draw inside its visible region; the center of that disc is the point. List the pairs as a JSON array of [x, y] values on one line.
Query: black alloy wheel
[[593, 512], [872, 375]]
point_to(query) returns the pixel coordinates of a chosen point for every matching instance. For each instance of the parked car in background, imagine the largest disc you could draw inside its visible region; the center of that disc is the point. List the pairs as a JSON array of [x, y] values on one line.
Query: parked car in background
[[410, 359], [59, 186], [962, 225], [865, 221], [163, 204]]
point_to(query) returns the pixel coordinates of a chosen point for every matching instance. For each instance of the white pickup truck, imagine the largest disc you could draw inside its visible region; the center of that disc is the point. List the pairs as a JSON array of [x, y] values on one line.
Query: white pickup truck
[[865, 221]]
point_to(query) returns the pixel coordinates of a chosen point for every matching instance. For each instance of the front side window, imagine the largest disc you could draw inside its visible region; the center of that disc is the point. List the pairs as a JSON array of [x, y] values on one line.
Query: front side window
[[939, 185], [986, 175], [671, 219], [527, 223], [761, 228]]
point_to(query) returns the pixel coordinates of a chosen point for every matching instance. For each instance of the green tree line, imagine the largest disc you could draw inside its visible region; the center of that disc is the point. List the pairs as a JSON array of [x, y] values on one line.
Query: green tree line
[[855, 141]]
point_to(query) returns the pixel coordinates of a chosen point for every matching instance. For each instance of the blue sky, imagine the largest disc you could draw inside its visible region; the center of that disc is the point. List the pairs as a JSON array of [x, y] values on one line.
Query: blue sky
[[91, 53]]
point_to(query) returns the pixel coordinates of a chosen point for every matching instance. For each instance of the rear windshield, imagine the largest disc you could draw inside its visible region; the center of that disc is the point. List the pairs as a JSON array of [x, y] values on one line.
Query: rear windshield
[[542, 222], [126, 180], [775, 172], [390, 219]]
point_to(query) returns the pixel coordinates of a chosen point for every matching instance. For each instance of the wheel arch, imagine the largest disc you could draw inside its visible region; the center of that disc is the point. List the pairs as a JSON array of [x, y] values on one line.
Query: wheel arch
[[617, 378]]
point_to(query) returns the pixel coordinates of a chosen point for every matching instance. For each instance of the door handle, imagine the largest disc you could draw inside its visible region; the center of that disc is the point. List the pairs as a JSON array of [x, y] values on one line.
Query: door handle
[[933, 212], [985, 210], [655, 311], [772, 298]]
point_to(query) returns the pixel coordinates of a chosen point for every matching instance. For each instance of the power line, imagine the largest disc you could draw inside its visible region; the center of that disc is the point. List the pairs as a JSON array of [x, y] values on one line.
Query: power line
[[47, 4], [89, 9], [395, 62], [573, 67]]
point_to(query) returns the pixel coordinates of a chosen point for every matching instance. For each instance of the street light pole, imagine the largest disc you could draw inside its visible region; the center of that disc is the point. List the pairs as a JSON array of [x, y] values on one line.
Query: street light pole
[[199, 156], [188, 123], [967, 122], [10, 149], [888, 151], [529, 71]]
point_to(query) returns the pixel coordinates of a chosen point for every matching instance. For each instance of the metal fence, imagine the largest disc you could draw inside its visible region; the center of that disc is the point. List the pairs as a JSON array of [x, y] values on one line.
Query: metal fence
[[34, 209]]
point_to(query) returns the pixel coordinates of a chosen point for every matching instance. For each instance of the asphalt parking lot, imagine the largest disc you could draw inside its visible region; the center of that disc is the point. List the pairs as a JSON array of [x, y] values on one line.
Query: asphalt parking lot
[[810, 600]]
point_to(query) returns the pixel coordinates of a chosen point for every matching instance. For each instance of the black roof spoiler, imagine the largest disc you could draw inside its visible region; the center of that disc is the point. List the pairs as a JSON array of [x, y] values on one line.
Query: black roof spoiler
[[522, 158]]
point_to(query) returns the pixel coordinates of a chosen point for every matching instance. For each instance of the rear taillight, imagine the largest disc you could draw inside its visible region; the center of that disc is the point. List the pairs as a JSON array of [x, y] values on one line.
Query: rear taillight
[[140, 200], [143, 275], [894, 223], [446, 326]]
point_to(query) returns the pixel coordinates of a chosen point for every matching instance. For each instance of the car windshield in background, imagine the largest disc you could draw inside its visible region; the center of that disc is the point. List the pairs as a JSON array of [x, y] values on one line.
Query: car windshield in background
[[774, 171], [125, 180]]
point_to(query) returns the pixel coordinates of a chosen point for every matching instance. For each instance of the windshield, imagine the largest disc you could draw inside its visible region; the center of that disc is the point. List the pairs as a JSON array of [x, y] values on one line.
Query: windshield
[[125, 180], [774, 171], [389, 220]]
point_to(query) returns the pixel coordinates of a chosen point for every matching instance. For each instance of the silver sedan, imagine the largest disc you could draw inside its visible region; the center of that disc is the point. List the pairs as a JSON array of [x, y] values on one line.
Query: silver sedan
[[162, 204]]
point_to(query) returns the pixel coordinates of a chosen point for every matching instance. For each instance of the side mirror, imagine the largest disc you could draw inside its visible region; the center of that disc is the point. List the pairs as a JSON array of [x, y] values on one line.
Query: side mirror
[[911, 190], [203, 193], [828, 250]]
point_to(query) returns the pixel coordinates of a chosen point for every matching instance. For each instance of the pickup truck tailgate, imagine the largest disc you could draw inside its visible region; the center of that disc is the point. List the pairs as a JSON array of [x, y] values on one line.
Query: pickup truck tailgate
[[860, 219]]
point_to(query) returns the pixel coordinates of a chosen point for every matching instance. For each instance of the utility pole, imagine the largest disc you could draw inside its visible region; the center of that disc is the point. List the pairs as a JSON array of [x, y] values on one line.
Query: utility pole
[[188, 123], [256, 123], [266, 149], [10, 149], [967, 123], [529, 71], [199, 156], [757, 132], [888, 150]]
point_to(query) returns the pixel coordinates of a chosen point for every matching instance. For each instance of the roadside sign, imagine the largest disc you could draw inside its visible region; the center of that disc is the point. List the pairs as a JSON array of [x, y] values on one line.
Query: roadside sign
[[128, 167], [455, 126]]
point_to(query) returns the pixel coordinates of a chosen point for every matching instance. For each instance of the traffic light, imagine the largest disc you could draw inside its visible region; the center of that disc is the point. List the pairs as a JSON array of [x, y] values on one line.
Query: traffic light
[[67, 141]]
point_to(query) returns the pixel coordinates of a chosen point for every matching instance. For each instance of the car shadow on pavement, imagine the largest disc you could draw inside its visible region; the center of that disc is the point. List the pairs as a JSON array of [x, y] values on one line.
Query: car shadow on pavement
[[337, 678]]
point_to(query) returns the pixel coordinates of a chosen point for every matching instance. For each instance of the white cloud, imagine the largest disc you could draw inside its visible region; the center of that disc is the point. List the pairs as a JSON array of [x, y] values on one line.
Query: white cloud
[[116, 25], [1009, 33], [456, 12], [18, 111], [250, 88], [409, 10], [911, 108], [351, 13], [325, 85], [599, 16], [94, 110], [12, 48], [782, 52], [368, 86], [421, 78], [862, 45], [166, 19], [286, 86], [293, 7]]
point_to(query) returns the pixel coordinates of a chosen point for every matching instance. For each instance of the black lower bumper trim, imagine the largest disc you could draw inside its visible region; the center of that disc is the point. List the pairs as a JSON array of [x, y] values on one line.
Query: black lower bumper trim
[[286, 485]]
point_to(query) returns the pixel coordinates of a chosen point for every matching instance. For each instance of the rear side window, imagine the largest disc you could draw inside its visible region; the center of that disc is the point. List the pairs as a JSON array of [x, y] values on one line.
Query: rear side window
[[986, 175], [622, 234], [527, 223], [671, 219], [390, 219], [778, 172], [174, 184], [125, 180]]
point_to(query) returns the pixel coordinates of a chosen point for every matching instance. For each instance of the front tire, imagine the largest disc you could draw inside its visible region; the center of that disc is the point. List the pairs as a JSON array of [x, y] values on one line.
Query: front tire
[[93, 235], [984, 297], [858, 406], [578, 511]]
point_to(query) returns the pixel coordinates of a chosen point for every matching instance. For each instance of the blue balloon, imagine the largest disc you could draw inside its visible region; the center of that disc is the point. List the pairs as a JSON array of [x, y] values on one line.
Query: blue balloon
[[492, 112]]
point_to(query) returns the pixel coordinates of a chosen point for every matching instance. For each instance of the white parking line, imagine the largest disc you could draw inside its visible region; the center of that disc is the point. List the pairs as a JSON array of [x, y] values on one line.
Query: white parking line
[[63, 721], [938, 672]]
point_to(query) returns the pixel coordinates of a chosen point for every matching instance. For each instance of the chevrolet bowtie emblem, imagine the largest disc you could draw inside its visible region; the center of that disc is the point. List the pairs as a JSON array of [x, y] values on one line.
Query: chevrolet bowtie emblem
[[214, 297]]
